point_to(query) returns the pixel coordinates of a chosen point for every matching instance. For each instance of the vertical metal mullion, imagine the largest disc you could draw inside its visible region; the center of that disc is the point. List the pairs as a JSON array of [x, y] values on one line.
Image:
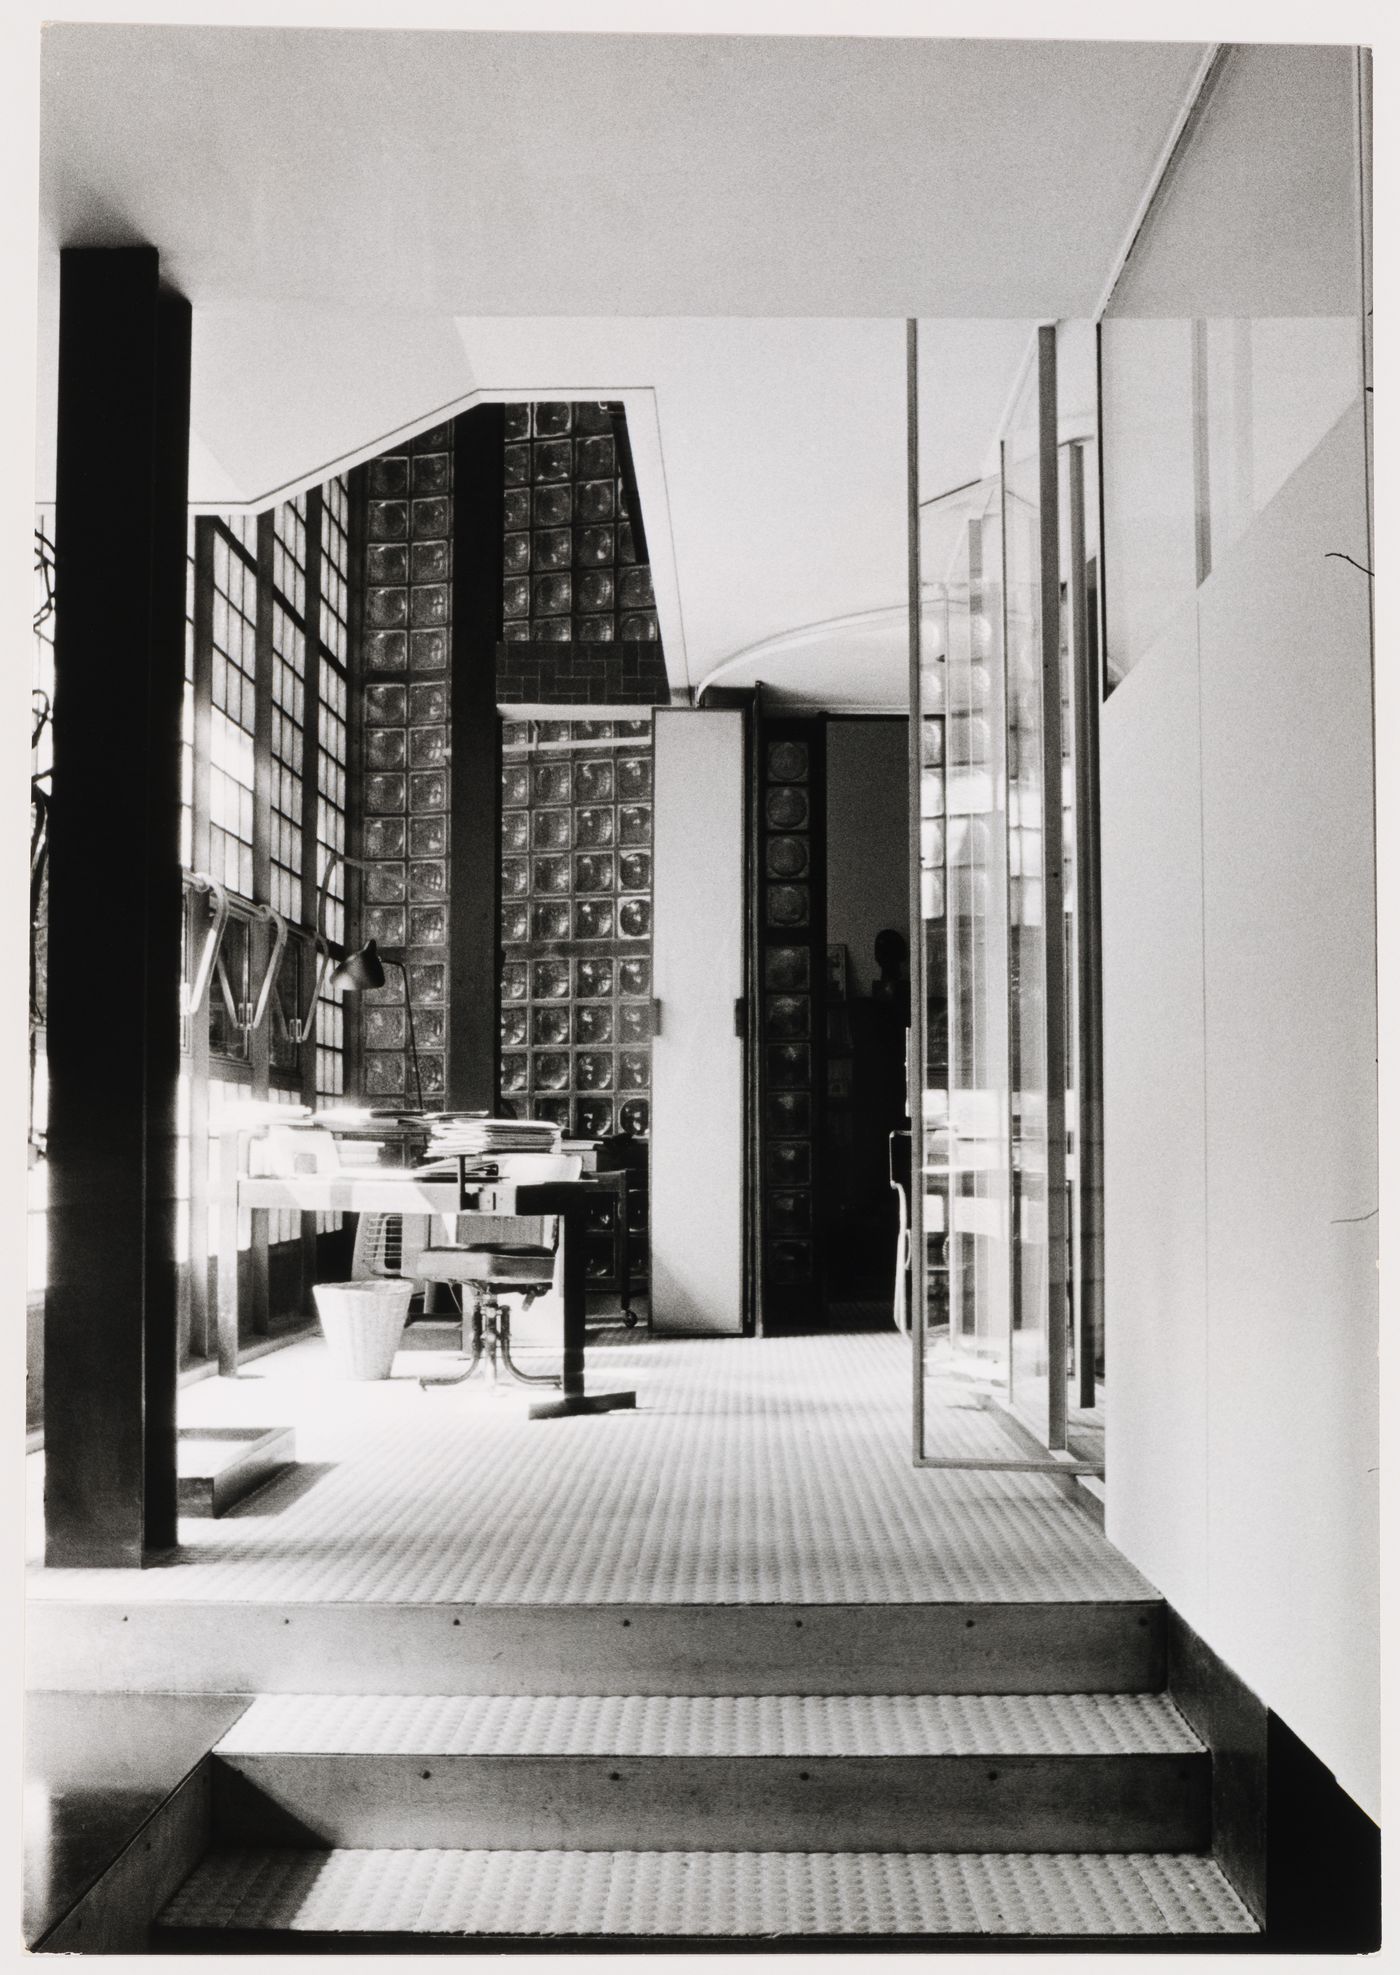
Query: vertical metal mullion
[[1052, 888], [918, 990], [259, 932], [1013, 1003], [310, 877], [1088, 951], [200, 1338]]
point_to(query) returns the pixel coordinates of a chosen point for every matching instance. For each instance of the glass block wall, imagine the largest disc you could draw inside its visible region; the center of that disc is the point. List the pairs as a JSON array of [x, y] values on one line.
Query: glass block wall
[[576, 832], [572, 574], [407, 832]]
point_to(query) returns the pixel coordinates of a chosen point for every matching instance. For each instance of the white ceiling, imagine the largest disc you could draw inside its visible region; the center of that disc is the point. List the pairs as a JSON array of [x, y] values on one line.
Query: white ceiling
[[375, 228]]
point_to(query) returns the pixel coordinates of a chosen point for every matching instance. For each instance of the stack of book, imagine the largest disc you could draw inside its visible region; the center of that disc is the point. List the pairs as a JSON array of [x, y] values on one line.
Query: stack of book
[[489, 1138]]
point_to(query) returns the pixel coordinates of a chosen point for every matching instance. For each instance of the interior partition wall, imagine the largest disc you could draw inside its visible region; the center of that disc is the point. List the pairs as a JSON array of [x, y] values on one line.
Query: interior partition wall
[[999, 1252]]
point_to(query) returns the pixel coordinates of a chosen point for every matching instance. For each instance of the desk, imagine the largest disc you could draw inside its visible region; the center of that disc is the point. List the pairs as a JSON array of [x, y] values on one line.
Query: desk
[[387, 1192]]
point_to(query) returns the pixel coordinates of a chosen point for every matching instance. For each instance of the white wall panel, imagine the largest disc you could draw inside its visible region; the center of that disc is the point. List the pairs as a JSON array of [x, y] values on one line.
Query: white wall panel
[[1158, 1395], [1291, 1112], [697, 1089]]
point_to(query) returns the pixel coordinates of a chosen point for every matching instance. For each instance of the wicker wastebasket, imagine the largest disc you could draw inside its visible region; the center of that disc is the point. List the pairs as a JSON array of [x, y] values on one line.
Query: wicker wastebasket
[[362, 1323]]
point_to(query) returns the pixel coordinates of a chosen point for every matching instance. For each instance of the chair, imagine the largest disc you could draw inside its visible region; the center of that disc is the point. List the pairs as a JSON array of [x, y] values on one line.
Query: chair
[[495, 1269]]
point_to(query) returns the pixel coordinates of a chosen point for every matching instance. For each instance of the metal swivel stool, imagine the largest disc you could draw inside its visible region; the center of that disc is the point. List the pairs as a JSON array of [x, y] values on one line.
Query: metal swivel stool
[[492, 1270]]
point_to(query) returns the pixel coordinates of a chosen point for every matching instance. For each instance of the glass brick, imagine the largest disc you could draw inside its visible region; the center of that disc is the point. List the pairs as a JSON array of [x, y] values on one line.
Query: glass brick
[[431, 562], [549, 1024], [514, 1026], [515, 784], [595, 630], [639, 627], [593, 589], [593, 730], [553, 507], [431, 520], [386, 563], [427, 836], [595, 458], [787, 809], [790, 1113], [634, 1118], [428, 981], [789, 1261], [595, 500], [386, 651], [549, 920], [385, 923], [593, 1022], [593, 781], [432, 473], [551, 828], [634, 589], [550, 979], [437, 439], [427, 790], [594, 547], [427, 704], [633, 777], [626, 543], [787, 968], [515, 877], [386, 882], [634, 824], [515, 980], [788, 1015], [552, 419], [516, 508], [385, 706], [427, 746], [384, 1073], [594, 1069], [554, 1110], [384, 794], [387, 521], [517, 553], [432, 1073], [634, 977], [634, 1069], [384, 836], [388, 475], [428, 604], [385, 1028], [550, 731], [384, 609], [551, 781], [787, 856], [595, 978], [517, 467], [515, 1074], [633, 1023], [593, 918], [551, 459], [634, 870], [593, 828], [428, 650], [551, 548], [593, 1118], [427, 878], [549, 1070], [550, 875], [385, 747], [552, 630], [591, 416], [551, 596], [789, 1163], [787, 761], [517, 421], [515, 922], [594, 871], [789, 1065]]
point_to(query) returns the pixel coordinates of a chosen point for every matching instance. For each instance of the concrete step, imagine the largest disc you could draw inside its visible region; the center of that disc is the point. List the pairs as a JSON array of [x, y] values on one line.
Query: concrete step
[[1041, 1773], [985, 1646], [361, 1899]]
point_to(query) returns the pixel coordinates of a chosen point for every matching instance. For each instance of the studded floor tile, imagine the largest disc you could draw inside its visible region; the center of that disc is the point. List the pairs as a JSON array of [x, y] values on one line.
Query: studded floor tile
[[663, 1894], [768, 1470], [744, 1725]]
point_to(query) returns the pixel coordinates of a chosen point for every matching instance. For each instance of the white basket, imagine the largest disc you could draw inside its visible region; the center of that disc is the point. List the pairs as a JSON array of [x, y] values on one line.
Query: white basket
[[362, 1323]]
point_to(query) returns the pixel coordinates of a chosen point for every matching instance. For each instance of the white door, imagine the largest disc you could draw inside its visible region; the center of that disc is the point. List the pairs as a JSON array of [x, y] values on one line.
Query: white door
[[697, 1070]]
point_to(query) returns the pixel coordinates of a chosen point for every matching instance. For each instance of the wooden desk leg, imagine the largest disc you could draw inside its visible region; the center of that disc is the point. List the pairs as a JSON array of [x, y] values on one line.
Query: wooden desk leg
[[574, 1398]]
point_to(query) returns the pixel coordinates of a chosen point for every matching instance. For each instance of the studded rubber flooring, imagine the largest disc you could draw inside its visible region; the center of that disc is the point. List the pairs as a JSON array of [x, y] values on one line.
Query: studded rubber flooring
[[702, 1725], [752, 1471], [709, 1893]]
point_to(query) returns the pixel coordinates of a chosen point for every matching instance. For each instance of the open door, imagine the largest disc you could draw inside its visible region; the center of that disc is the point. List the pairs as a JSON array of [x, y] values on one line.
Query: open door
[[697, 1144]]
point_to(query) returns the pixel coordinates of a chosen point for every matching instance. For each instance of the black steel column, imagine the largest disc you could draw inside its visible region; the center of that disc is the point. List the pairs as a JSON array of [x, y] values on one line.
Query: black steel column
[[110, 1325], [474, 788]]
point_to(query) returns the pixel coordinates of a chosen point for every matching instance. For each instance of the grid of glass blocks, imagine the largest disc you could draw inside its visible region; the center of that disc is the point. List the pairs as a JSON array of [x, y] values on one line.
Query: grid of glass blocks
[[571, 573], [232, 717], [406, 834], [576, 873], [790, 1010]]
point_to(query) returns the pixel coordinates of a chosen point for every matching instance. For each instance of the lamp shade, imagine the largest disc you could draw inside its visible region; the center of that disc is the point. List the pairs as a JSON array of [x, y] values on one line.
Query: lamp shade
[[360, 970]]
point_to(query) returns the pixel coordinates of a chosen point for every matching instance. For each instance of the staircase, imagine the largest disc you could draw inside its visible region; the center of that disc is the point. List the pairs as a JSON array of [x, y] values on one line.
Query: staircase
[[717, 1774]]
